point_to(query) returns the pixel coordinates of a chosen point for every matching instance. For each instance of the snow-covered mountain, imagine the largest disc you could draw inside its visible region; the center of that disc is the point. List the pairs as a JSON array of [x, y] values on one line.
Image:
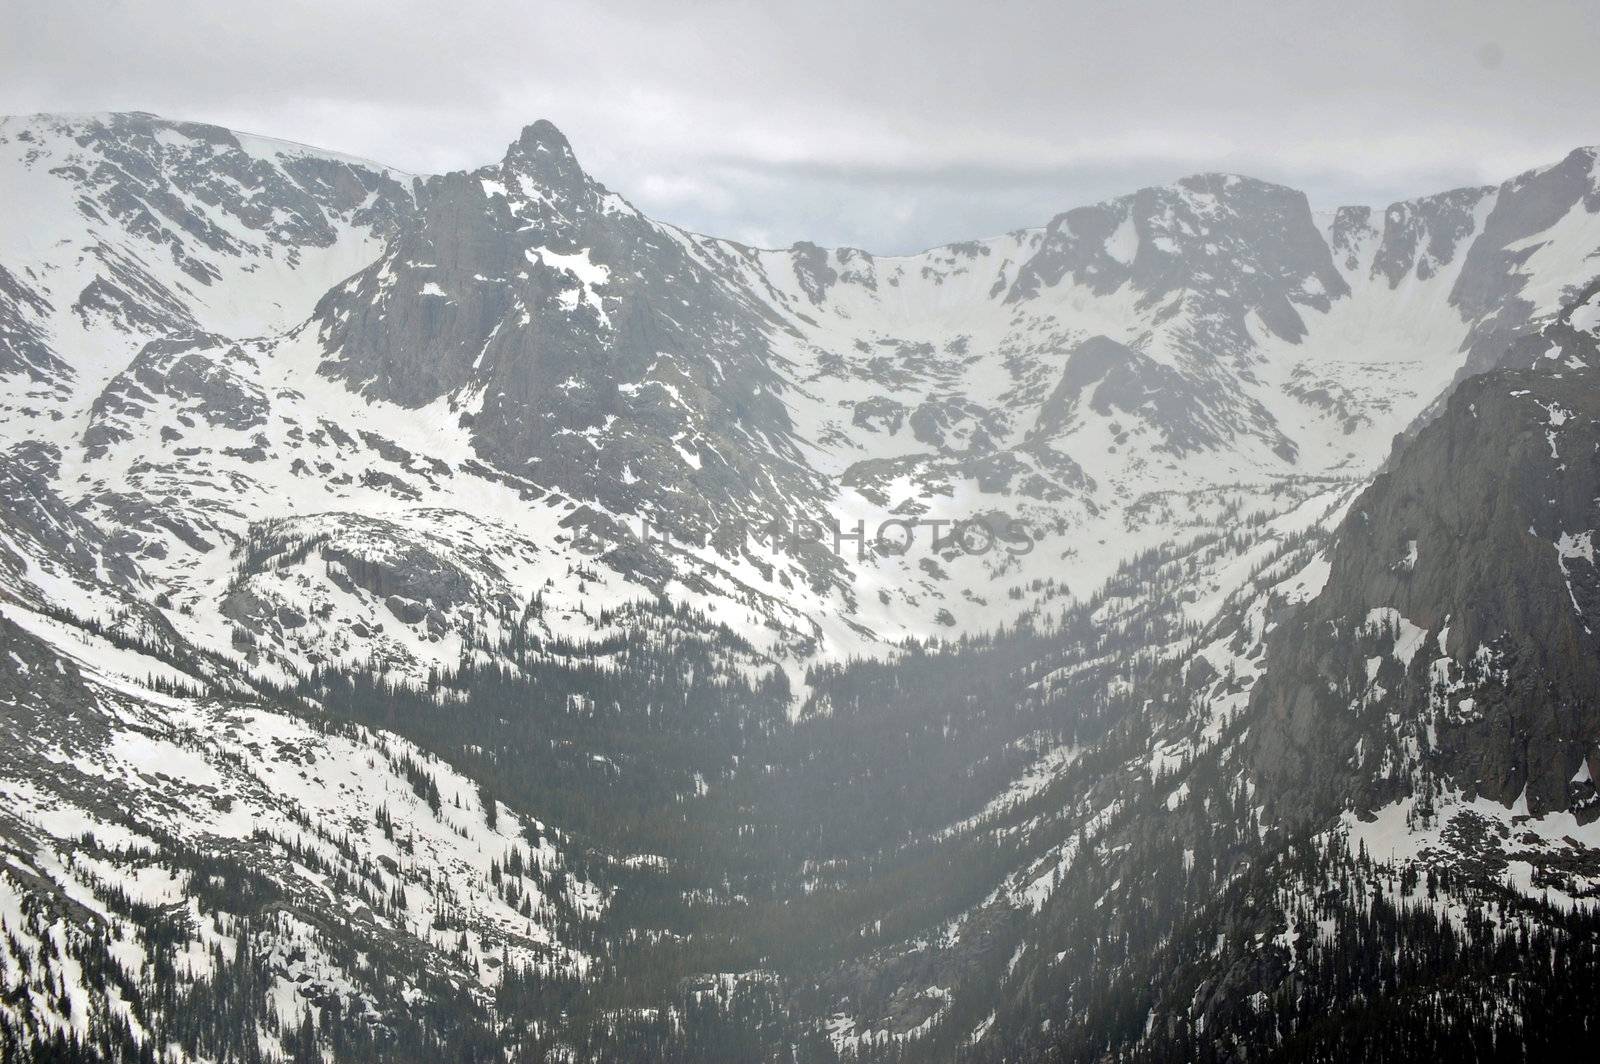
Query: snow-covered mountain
[[366, 535], [269, 333]]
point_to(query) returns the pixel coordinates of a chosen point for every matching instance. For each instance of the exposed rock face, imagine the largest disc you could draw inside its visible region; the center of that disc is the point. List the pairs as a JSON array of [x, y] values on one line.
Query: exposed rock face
[[1422, 236], [195, 374], [1255, 242], [1499, 270], [23, 345], [147, 172], [1459, 630], [1115, 381], [588, 346], [126, 230], [38, 523]]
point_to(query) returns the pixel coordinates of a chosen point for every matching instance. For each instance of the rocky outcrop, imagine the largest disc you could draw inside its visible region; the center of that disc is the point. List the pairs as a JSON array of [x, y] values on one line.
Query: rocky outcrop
[[201, 379], [586, 345], [1458, 636], [1255, 244]]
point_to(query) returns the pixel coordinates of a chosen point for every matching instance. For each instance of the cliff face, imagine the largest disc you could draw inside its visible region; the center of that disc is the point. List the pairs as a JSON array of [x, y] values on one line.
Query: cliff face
[[1457, 635]]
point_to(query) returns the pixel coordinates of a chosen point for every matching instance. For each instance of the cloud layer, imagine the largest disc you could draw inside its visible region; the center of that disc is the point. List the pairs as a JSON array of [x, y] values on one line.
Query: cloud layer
[[887, 125]]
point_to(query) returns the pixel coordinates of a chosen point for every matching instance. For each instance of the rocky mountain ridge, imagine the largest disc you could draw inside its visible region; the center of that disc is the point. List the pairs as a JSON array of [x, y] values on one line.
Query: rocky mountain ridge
[[524, 335]]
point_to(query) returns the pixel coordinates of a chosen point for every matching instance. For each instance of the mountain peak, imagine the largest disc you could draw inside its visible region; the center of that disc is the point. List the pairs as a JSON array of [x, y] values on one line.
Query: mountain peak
[[1214, 181], [543, 152], [543, 136]]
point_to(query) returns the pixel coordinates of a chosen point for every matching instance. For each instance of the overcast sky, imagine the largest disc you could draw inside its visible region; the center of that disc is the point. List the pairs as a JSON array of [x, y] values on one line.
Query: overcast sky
[[877, 123]]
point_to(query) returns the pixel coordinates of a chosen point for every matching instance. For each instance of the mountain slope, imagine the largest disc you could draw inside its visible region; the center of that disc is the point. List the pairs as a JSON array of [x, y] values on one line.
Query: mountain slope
[[443, 602], [529, 332], [1467, 569]]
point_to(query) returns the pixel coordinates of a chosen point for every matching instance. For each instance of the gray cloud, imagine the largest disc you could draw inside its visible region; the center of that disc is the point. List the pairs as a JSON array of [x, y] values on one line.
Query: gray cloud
[[888, 125]]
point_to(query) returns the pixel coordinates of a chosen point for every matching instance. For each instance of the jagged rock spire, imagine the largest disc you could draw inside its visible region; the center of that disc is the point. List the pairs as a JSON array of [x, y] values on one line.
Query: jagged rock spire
[[543, 153]]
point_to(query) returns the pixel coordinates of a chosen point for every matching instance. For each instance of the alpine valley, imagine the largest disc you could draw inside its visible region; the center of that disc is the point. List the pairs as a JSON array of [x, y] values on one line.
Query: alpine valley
[[400, 660]]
